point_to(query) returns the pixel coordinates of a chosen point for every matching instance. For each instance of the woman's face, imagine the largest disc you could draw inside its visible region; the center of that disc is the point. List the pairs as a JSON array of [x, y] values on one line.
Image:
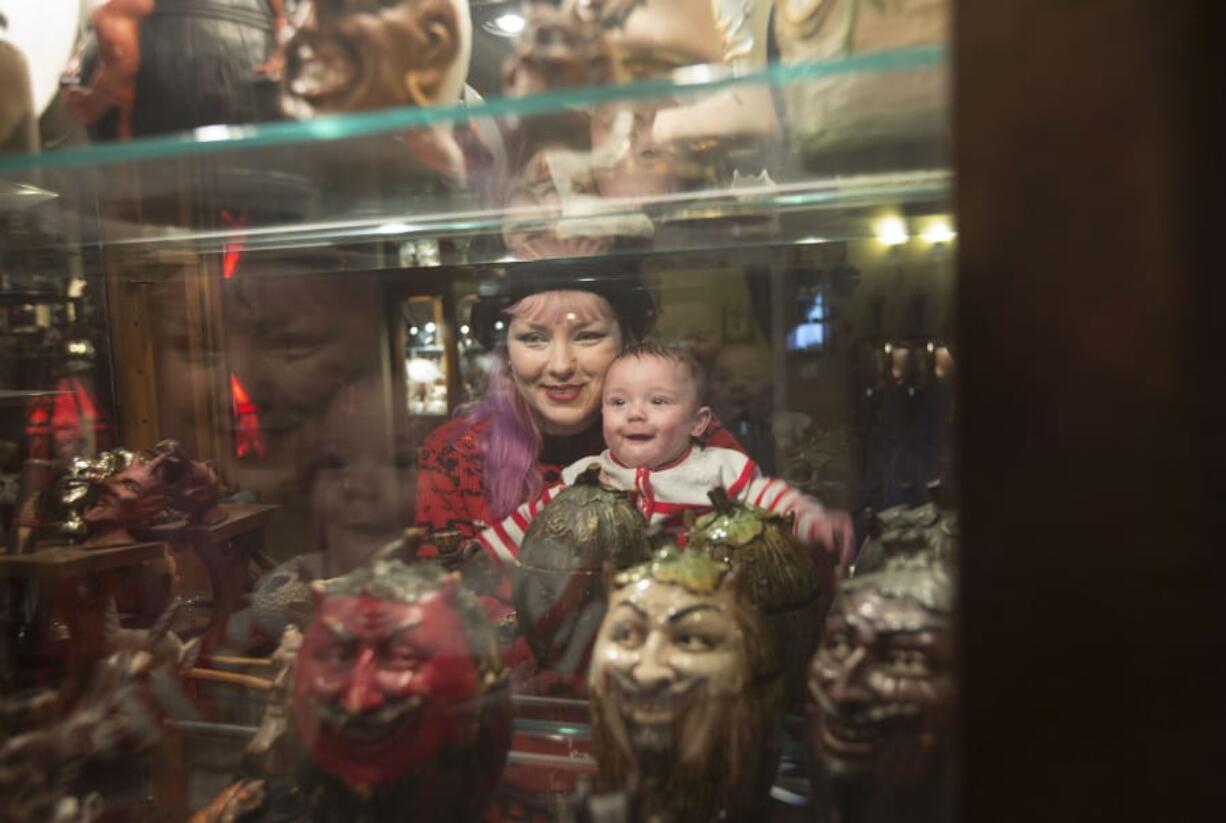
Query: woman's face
[[559, 345]]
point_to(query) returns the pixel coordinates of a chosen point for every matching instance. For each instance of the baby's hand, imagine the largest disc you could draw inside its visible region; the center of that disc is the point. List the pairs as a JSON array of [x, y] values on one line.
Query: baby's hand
[[831, 529]]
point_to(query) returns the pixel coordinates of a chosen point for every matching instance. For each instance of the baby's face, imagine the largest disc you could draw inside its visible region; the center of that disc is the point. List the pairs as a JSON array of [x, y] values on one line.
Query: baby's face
[[651, 410]]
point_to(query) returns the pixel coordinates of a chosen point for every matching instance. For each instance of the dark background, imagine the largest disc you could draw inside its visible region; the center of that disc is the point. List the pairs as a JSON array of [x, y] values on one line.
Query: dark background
[[1089, 168]]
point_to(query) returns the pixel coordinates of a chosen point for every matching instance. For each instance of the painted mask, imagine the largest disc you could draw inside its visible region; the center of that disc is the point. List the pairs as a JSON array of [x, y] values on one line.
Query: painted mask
[[882, 682], [685, 690], [392, 672], [365, 54]]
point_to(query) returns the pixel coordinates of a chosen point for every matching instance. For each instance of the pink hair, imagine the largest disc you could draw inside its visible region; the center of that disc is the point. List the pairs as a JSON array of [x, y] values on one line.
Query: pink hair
[[513, 441]]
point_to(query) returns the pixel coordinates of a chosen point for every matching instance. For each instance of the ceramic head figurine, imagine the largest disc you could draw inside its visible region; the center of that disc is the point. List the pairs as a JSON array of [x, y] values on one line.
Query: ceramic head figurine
[[685, 692], [782, 577], [558, 582], [363, 56], [399, 696], [882, 693]]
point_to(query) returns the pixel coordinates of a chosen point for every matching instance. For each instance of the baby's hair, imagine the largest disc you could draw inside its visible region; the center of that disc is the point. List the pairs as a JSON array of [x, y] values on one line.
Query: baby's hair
[[671, 352]]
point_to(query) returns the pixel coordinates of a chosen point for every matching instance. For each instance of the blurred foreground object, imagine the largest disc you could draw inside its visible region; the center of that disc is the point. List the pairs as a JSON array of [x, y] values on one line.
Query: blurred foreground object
[[864, 120]]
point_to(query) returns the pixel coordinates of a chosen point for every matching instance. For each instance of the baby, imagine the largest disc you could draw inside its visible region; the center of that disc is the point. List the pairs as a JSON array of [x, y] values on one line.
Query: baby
[[653, 419]]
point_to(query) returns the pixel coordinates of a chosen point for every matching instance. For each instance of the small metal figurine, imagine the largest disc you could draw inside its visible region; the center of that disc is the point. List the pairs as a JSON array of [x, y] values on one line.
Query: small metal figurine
[[686, 693], [131, 496], [399, 707], [881, 696], [558, 583], [108, 497], [780, 575]]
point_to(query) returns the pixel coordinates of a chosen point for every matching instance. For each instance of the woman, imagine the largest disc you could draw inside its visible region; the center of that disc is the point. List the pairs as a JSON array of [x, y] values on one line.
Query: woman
[[541, 411]]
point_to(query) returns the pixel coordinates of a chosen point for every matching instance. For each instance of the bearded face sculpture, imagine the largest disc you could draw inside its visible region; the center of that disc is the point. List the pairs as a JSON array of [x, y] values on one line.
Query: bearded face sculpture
[[686, 692], [398, 681], [882, 689], [358, 55]]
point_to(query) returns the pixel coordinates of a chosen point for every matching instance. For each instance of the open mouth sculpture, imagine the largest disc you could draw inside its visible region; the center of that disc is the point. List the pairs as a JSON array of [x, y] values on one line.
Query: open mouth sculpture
[[414, 52], [881, 684]]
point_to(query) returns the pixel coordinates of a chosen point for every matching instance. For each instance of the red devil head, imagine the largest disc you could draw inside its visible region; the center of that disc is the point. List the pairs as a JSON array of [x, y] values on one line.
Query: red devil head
[[391, 672]]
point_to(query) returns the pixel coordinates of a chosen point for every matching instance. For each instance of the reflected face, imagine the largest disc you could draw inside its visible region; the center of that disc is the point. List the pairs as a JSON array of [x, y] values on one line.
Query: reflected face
[[559, 346], [651, 410], [669, 662], [531, 192], [639, 166], [882, 687], [364, 482], [380, 686], [741, 381]]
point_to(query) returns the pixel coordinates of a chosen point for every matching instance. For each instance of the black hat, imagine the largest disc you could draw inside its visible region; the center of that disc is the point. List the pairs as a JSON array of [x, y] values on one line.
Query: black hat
[[618, 281]]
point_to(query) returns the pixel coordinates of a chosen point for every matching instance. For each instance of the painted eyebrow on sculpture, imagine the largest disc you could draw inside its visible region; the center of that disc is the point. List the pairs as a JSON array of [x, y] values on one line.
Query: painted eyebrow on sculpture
[[629, 604], [681, 614]]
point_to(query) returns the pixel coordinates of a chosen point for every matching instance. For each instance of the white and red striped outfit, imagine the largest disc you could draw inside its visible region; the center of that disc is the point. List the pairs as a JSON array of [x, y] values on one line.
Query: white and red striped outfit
[[666, 493]]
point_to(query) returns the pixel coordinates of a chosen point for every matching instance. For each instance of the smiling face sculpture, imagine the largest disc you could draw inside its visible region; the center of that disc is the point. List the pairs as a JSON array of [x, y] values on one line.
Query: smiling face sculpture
[[882, 682], [357, 55], [399, 671], [685, 691]]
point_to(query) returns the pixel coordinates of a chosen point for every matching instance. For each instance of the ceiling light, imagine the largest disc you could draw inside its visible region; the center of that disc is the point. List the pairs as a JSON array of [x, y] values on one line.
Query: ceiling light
[[504, 25], [892, 231], [939, 232]]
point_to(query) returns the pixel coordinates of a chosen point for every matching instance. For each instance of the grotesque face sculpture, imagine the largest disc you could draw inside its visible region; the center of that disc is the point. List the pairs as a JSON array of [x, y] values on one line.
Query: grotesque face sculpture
[[882, 681], [392, 672], [127, 498], [685, 690], [369, 54]]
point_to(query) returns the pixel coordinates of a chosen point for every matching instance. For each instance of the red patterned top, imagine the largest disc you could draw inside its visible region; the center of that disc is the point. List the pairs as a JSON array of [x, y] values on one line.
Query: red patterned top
[[451, 470]]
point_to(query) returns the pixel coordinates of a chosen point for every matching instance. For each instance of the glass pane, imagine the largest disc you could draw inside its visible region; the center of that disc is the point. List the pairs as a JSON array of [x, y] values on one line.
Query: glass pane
[[306, 412]]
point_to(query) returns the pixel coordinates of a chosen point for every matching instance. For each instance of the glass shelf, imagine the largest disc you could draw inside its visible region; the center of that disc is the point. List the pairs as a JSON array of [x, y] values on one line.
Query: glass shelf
[[354, 181]]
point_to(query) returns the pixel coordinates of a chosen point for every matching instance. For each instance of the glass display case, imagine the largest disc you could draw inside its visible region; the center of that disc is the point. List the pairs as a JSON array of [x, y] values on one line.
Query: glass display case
[[298, 404]]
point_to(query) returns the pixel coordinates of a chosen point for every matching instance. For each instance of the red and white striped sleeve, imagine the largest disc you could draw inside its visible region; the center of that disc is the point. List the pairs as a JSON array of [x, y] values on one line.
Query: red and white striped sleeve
[[502, 540], [780, 497]]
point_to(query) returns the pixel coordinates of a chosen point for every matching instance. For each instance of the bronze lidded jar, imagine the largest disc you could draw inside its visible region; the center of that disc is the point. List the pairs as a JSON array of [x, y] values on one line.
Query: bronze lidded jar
[[557, 586], [782, 577], [685, 693]]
